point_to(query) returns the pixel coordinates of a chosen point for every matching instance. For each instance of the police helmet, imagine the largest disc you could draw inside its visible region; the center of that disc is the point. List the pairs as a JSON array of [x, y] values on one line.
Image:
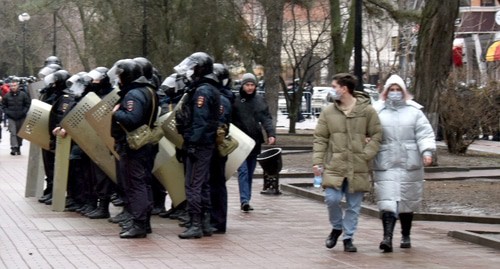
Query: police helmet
[[197, 65], [125, 70], [146, 67], [57, 79], [76, 83], [47, 70], [52, 60], [222, 74]]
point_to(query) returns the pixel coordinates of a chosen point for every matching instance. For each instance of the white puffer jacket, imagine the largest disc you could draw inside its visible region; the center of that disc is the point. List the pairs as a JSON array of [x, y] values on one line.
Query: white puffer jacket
[[398, 168]]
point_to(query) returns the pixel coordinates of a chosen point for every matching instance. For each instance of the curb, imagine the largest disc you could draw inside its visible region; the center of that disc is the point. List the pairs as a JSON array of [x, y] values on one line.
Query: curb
[[298, 188], [476, 237]]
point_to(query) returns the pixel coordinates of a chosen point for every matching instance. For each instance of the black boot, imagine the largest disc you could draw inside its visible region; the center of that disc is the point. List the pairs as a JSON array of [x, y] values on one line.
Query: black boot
[[45, 197], [331, 240], [194, 231], [349, 246], [102, 210], [406, 220], [122, 216], [206, 225], [138, 230], [185, 220], [388, 222]]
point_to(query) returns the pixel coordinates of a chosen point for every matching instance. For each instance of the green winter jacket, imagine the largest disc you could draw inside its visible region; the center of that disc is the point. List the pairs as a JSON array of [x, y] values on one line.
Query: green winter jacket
[[342, 146]]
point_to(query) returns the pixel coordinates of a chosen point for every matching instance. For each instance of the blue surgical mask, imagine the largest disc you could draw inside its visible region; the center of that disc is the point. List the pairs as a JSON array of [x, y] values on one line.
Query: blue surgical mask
[[334, 95], [395, 96]]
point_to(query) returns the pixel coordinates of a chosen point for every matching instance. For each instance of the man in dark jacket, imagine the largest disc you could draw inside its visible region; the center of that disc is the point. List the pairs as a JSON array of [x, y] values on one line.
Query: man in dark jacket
[[16, 104], [250, 115]]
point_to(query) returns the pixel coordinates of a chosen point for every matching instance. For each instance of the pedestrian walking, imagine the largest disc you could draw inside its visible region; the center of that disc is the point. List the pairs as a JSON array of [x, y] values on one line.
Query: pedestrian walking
[[346, 139], [407, 146]]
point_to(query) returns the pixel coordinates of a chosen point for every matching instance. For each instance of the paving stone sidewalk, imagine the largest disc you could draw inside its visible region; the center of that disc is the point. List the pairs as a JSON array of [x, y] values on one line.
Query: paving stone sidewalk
[[284, 231]]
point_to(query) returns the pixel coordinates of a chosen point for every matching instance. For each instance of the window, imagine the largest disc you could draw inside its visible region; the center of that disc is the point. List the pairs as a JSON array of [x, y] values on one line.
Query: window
[[487, 3]]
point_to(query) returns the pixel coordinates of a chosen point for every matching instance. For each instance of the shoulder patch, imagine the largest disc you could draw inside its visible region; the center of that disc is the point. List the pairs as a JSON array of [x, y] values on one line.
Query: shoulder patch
[[130, 105], [200, 102]]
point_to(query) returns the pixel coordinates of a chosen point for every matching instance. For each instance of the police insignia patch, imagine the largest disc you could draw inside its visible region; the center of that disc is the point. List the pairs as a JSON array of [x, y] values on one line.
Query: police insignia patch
[[201, 101], [130, 105]]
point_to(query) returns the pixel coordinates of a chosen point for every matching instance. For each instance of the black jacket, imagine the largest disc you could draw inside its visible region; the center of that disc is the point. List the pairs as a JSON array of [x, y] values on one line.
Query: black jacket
[[204, 103], [16, 105], [135, 109], [250, 115]]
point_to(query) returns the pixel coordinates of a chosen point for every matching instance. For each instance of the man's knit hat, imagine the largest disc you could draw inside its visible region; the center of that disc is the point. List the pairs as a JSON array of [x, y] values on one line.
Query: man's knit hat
[[248, 77]]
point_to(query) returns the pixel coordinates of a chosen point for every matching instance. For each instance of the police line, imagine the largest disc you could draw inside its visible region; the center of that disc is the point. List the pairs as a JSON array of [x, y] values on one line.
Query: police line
[[88, 125]]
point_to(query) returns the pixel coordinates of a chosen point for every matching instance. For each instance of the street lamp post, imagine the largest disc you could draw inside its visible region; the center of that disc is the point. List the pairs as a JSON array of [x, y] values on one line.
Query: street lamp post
[[24, 18]]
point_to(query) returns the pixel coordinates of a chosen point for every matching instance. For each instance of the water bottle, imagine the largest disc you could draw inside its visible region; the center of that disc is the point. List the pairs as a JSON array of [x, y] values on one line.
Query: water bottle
[[318, 178], [317, 181]]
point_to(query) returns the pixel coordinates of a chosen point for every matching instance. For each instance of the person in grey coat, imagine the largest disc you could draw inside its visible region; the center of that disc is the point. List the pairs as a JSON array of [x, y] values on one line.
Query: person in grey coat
[[407, 146]]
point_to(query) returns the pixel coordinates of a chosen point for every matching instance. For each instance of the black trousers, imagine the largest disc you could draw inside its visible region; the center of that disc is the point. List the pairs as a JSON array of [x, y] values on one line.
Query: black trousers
[[104, 187], [49, 159], [135, 167], [218, 192], [197, 178]]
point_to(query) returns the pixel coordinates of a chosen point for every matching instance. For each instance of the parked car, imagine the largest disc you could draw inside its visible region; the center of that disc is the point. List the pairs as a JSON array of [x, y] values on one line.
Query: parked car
[[282, 104], [319, 99]]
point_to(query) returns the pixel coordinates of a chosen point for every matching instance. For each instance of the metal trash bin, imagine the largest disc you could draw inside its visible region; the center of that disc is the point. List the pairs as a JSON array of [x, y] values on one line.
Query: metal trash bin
[[271, 162]]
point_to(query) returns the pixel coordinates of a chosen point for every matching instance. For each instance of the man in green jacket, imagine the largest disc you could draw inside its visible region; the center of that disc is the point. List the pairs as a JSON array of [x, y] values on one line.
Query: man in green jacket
[[346, 139]]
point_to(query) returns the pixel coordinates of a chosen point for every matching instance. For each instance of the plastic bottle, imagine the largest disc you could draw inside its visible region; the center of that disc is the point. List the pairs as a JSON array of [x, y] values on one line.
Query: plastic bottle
[[318, 178], [317, 181]]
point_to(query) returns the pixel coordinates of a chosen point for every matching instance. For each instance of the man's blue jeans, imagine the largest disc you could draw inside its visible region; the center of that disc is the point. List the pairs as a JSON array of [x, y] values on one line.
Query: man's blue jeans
[[245, 177], [348, 222]]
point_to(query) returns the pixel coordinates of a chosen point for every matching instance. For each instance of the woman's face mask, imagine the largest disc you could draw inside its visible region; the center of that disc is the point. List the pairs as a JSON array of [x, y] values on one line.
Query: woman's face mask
[[395, 96]]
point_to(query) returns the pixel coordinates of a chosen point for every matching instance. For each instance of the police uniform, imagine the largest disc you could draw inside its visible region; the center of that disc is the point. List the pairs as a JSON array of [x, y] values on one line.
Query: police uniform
[[134, 167], [218, 190], [199, 145]]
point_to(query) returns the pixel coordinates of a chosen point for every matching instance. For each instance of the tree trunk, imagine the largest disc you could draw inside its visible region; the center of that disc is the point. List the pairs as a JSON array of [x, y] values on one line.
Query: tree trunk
[[434, 52], [342, 42], [274, 17]]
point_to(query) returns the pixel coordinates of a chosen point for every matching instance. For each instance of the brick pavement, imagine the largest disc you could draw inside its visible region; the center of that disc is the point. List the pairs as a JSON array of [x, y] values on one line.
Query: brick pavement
[[284, 231]]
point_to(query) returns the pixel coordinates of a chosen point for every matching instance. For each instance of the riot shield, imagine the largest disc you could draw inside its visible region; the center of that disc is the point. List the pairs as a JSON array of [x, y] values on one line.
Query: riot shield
[[87, 138], [235, 159], [35, 127], [99, 118], [245, 146], [34, 89], [170, 172], [169, 128], [61, 168]]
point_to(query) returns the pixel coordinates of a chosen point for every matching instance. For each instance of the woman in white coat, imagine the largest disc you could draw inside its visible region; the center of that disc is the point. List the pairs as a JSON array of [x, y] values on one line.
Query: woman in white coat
[[407, 146]]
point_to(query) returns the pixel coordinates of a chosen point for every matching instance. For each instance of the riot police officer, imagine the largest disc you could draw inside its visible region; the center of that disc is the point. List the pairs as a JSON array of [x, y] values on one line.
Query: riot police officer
[[152, 75], [218, 190], [197, 122], [54, 86], [134, 109]]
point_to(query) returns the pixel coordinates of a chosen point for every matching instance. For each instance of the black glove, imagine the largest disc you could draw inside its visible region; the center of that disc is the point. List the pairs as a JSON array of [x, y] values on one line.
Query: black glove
[[191, 153], [180, 154]]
